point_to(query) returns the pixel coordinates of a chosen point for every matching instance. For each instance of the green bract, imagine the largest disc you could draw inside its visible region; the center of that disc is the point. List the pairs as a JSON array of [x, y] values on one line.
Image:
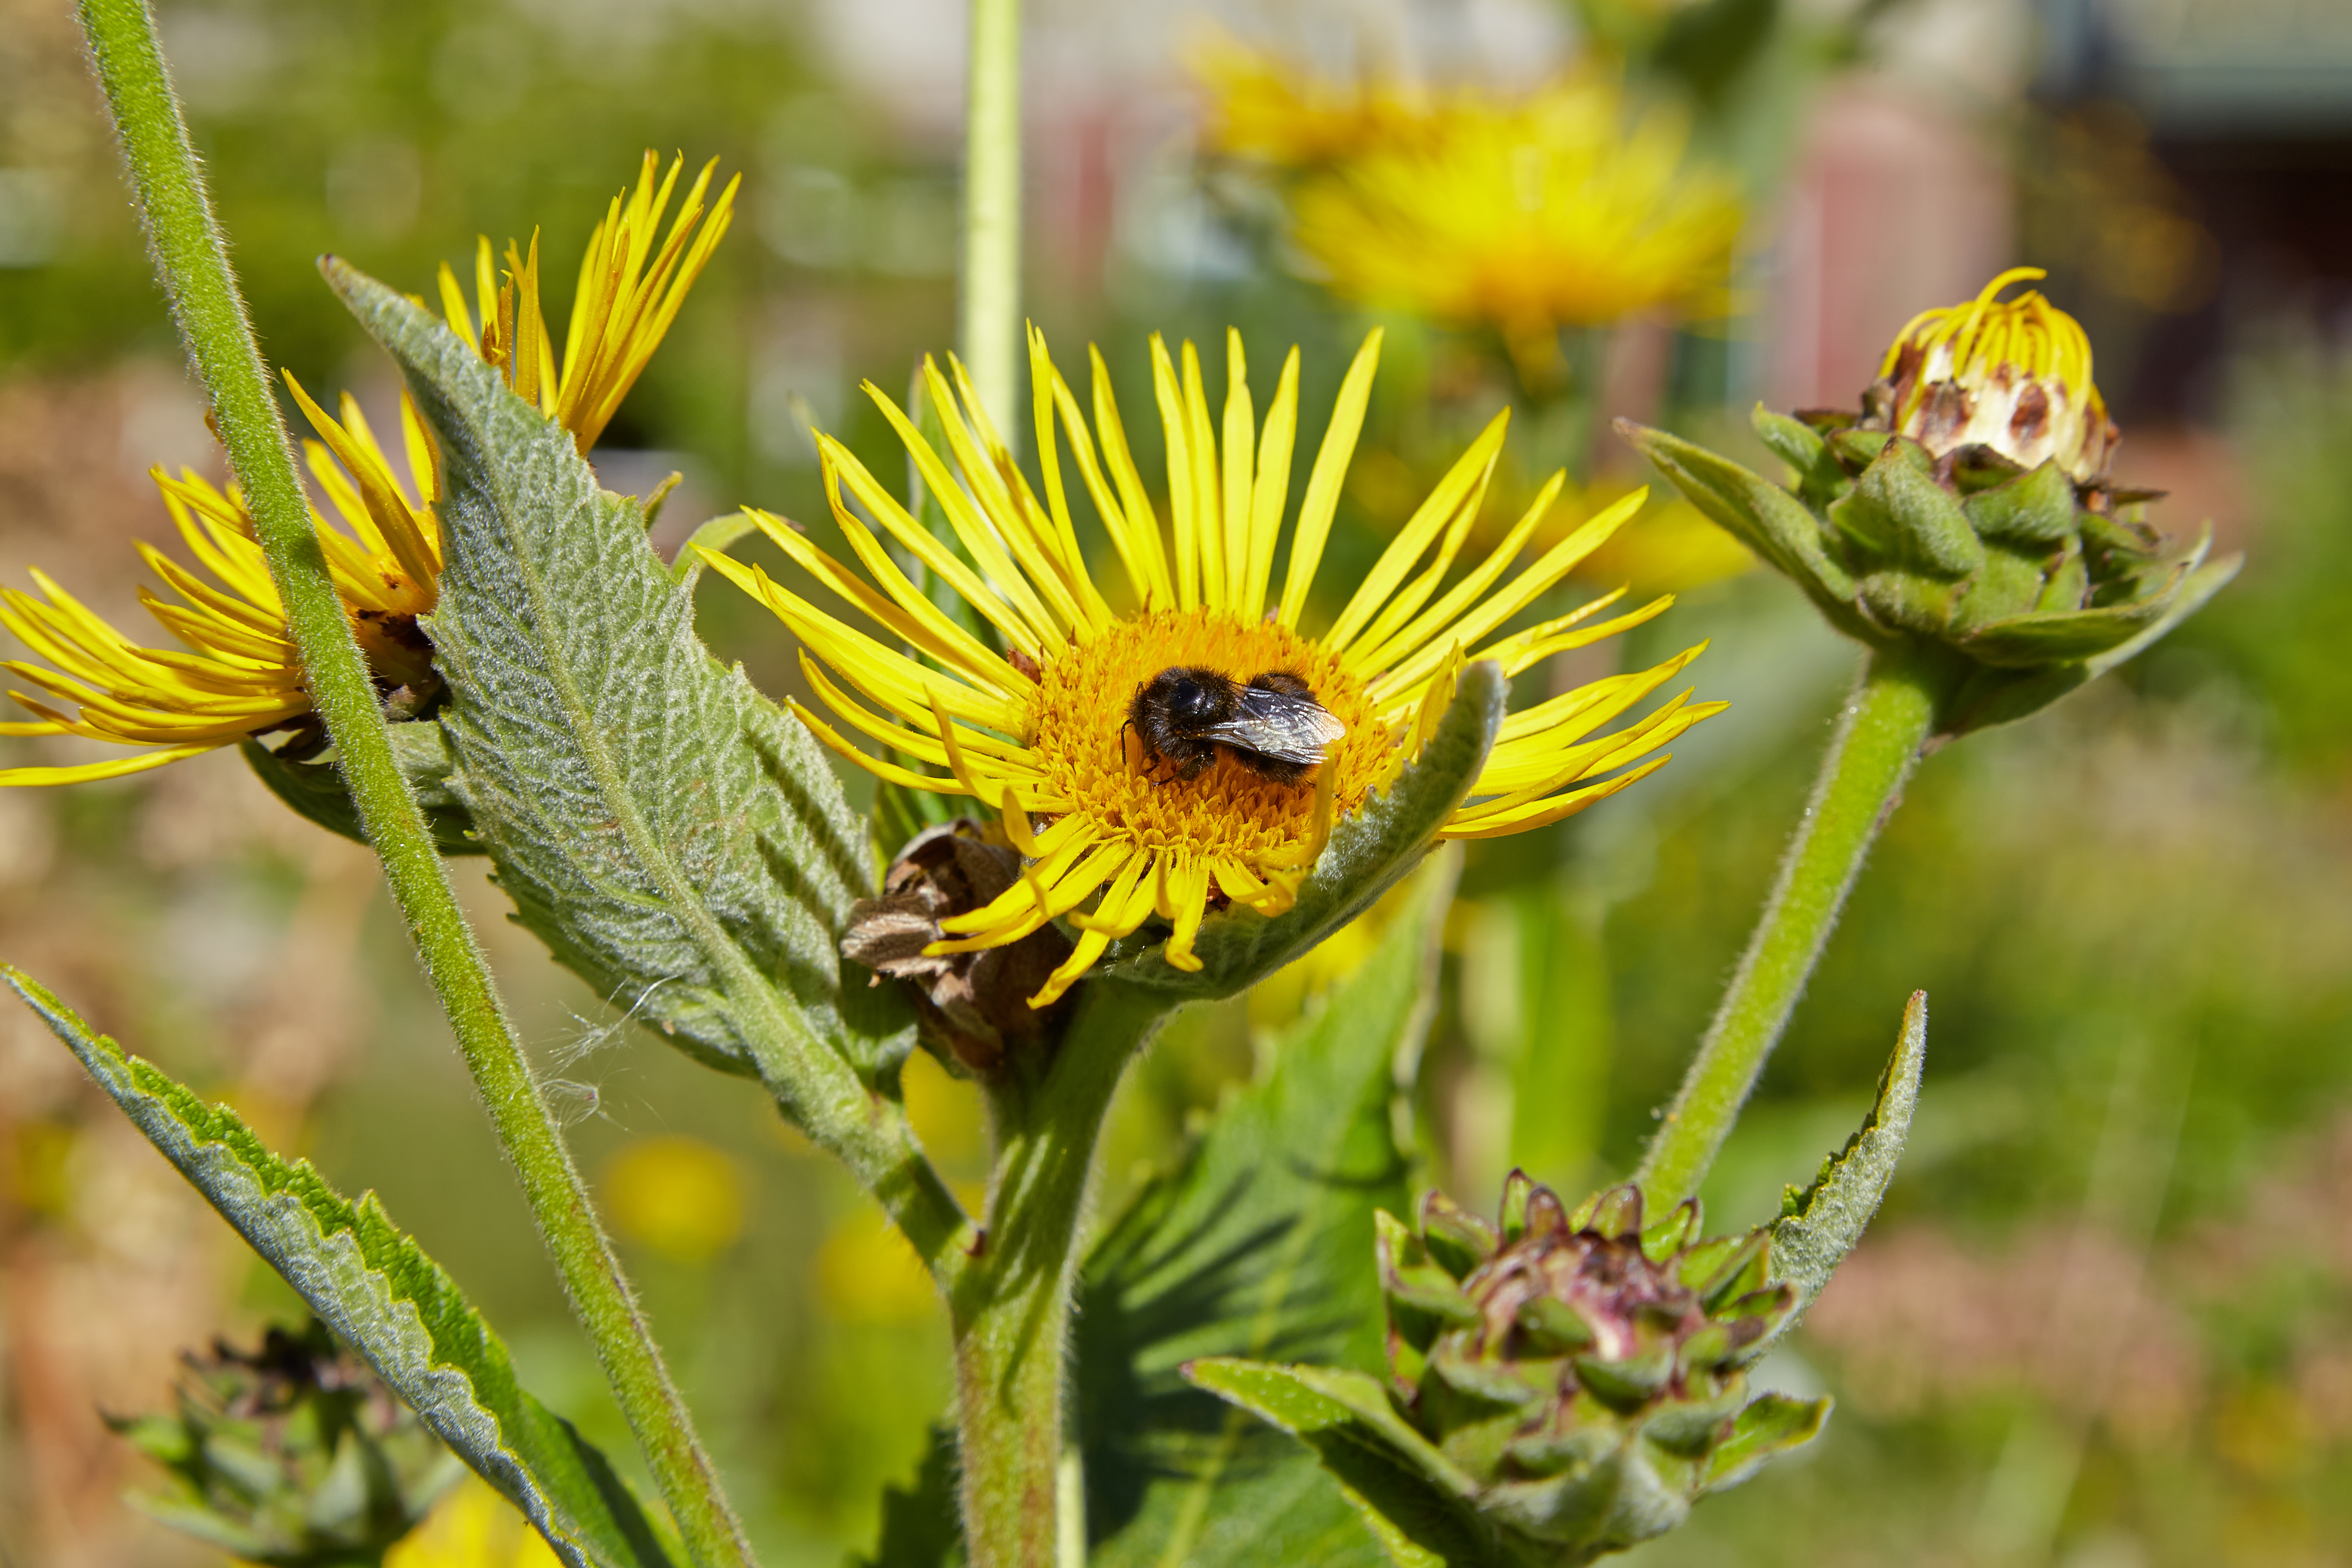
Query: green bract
[[2028, 586], [293, 1453], [1562, 1385]]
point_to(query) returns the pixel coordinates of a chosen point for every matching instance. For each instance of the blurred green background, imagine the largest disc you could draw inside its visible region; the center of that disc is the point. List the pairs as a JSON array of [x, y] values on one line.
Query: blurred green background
[[2105, 1318]]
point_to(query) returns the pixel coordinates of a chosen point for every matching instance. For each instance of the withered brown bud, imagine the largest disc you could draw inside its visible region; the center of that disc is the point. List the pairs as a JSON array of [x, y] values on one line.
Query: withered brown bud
[[974, 1004]]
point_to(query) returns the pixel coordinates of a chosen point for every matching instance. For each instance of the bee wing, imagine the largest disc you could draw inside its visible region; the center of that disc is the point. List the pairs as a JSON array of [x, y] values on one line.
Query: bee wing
[[1284, 725]]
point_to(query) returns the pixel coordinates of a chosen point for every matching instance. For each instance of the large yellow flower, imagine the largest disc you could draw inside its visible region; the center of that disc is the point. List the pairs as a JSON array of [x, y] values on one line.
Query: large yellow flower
[[240, 674], [1530, 217], [1038, 733]]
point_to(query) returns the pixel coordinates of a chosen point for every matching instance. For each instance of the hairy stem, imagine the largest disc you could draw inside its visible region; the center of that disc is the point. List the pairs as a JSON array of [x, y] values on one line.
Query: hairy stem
[[988, 332], [1885, 724], [192, 260], [1011, 1306]]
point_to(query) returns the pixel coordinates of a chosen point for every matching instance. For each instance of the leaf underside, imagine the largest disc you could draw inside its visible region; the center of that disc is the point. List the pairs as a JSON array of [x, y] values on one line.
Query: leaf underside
[[668, 831], [377, 1289], [1825, 1221]]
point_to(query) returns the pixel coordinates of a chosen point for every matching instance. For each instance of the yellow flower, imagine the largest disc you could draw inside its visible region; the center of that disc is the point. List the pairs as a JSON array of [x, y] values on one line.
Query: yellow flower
[[2013, 376], [1261, 111], [240, 674], [473, 1527], [1528, 216], [1038, 733], [619, 313]]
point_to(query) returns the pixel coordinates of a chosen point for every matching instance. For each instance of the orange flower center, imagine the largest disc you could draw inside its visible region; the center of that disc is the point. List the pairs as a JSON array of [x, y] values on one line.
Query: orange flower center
[[1083, 697]]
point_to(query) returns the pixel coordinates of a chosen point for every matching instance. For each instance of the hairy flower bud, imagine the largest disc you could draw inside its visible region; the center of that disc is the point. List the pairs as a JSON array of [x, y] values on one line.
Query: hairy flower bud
[[1965, 511], [1586, 1375], [2012, 378], [293, 1453]]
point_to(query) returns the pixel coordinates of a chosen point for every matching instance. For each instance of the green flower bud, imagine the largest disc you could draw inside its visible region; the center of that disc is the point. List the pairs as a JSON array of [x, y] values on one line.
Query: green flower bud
[[294, 1454], [1966, 510], [1585, 1374]]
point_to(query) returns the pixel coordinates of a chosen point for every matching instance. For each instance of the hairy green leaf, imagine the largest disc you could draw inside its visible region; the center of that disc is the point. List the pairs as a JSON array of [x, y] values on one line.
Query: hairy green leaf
[[666, 830], [379, 1291], [1369, 854], [1259, 1243], [315, 789], [1823, 1223], [1345, 1419], [921, 1527]]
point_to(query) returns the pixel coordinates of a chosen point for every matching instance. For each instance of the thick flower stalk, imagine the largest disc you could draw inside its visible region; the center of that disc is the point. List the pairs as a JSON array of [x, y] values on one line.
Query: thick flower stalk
[[238, 675], [1039, 732]]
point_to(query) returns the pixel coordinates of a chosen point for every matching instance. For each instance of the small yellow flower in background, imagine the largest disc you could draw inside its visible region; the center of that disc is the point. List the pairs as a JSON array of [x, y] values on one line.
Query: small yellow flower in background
[[473, 1527], [239, 674], [2011, 374], [1562, 208], [1550, 212], [1039, 736], [678, 1195], [1261, 109], [865, 1273]]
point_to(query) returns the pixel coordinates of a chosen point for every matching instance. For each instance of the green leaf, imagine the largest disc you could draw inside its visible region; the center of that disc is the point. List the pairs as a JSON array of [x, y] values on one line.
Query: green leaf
[[1823, 1223], [315, 790], [1419, 1518], [1259, 1243], [379, 1291], [1369, 854], [920, 1525], [1762, 516], [668, 833], [1771, 1424]]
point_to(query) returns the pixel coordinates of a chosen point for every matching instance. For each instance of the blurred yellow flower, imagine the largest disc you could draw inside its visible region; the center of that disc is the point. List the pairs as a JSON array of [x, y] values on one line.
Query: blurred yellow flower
[[677, 1195], [240, 674], [865, 1273], [473, 1527], [1261, 109], [1555, 211]]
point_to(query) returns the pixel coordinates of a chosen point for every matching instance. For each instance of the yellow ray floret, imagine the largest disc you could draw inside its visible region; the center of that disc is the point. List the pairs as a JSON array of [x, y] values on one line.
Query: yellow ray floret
[[1040, 734], [630, 292], [240, 674], [237, 673]]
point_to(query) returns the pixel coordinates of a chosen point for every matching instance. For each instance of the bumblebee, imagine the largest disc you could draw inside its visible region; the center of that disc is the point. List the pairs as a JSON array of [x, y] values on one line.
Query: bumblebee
[[1272, 725]]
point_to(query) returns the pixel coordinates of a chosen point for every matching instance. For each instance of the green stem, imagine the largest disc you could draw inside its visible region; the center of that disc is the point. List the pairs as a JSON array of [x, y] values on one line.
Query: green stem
[[1011, 1305], [988, 331], [1885, 724], [192, 260]]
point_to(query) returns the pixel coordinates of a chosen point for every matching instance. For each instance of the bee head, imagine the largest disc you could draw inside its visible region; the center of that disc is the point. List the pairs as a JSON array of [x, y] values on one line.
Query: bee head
[[1191, 702]]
